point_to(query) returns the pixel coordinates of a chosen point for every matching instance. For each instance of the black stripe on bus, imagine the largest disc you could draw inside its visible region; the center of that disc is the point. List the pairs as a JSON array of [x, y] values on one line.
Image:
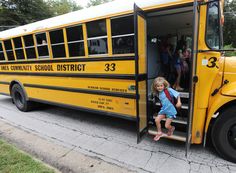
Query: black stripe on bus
[[123, 116], [5, 94], [106, 93], [4, 83], [70, 60], [141, 77], [107, 76]]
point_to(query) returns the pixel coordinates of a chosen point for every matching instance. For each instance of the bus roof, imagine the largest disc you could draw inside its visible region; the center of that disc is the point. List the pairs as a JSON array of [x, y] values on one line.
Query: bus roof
[[108, 9]]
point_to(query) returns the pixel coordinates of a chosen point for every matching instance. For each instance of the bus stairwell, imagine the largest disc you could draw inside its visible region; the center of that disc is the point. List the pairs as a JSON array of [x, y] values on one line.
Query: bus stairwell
[[180, 122]]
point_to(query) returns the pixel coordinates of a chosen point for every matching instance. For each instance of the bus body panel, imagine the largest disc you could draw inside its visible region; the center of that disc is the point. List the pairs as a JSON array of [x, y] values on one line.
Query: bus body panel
[[218, 102], [117, 105], [230, 75], [4, 88], [207, 69], [93, 84], [91, 67]]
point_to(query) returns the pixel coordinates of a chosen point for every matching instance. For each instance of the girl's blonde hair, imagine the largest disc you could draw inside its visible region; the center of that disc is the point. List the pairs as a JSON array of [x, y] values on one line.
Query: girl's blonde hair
[[159, 80]]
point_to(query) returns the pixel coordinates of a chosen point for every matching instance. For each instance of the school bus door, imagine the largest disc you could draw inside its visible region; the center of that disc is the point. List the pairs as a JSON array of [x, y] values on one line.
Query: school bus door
[[140, 70], [194, 77]]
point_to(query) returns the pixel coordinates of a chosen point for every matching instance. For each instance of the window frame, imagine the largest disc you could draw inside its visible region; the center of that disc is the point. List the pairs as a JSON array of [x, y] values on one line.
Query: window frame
[[1, 44], [19, 48], [30, 47], [122, 35], [9, 50], [206, 27], [57, 44], [40, 45], [75, 41], [97, 38]]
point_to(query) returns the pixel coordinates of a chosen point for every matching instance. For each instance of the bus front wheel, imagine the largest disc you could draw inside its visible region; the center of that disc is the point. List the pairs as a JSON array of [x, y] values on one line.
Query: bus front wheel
[[19, 98], [224, 134]]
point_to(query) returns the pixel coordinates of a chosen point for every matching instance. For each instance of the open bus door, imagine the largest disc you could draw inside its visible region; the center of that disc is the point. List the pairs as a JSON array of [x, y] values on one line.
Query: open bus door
[[140, 71], [193, 73]]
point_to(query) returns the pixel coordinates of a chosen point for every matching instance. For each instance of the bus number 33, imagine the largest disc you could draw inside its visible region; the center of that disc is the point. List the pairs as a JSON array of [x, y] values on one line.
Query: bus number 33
[[110, 67]]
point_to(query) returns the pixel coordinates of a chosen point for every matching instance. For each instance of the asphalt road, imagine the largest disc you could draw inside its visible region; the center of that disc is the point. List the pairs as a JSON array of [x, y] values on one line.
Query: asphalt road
[[112, 140]]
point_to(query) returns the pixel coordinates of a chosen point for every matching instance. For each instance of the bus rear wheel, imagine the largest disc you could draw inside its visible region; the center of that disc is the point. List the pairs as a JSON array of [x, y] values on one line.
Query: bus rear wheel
[[19, 98], [224, 134]]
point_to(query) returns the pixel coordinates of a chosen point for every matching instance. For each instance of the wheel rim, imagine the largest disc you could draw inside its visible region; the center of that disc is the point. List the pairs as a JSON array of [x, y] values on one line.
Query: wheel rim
[[19, 99], [232, 136]]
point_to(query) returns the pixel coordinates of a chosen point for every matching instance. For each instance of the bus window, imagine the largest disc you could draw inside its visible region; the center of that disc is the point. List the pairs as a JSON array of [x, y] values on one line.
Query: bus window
[[97, 37], [42, 45], [75, 41], [57, 43], [122, 37], [29, 47], [2, 58], [9, 51], [18, 48], [213, 31]]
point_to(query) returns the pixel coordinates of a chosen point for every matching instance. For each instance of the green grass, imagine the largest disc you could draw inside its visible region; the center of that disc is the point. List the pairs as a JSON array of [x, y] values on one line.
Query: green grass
[[15, 161], [230, 53]]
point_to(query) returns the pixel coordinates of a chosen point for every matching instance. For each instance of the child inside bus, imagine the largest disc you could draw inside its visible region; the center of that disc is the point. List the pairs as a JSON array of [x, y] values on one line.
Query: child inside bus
[[160, 88]]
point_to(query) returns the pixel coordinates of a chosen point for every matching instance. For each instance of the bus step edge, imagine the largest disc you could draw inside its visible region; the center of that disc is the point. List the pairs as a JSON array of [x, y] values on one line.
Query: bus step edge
[[178, 136]]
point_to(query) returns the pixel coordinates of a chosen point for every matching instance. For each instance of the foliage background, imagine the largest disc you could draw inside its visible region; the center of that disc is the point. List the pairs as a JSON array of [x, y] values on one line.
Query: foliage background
[[15, 13]]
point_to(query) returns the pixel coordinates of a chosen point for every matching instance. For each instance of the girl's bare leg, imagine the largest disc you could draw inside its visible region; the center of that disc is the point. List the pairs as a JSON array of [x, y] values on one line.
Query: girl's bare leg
[[169, 126], [158, 122], [168, 123]]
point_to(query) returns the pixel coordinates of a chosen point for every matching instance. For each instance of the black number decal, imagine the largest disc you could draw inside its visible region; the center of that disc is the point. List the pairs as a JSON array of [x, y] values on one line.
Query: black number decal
[[110, 67], [113, 67], [212, 62], [107, 67]]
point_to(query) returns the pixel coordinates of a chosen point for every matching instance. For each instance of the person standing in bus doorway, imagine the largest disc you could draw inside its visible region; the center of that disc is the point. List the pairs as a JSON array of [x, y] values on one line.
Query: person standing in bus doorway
[[166, 56], [166, 96]]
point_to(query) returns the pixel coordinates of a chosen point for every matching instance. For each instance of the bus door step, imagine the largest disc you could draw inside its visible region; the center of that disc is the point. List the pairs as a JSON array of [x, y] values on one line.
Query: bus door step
[[177, 135]]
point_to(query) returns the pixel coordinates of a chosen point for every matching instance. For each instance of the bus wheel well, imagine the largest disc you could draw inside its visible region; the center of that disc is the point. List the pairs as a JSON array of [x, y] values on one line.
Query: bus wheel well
[[19, 83], [212, 121], [11, 85]]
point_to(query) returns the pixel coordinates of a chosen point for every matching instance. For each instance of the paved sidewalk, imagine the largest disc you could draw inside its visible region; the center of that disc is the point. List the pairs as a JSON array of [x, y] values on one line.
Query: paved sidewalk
[[64, 159]]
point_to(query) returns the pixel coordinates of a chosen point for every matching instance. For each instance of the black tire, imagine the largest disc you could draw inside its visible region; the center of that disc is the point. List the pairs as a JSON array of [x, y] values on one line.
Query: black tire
[[224, 134], [19, 98]]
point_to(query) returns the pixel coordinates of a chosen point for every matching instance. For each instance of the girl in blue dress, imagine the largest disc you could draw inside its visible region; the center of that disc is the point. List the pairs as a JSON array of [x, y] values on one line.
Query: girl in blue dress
[[161, 89]]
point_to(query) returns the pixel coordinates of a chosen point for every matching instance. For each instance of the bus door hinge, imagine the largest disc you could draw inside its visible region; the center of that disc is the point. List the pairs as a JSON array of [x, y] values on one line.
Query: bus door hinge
[[195, 79], [217, 89]]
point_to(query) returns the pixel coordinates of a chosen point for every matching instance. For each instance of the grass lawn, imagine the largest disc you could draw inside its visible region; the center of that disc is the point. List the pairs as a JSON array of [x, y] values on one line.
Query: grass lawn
[[14, 161]]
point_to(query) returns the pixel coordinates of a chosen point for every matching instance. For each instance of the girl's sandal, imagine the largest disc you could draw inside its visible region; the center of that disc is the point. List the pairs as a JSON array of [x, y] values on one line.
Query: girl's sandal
[[158, 136]]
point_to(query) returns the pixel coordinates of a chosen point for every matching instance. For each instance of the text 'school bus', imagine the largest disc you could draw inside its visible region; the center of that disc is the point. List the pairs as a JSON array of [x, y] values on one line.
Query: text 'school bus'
[[104, 59]]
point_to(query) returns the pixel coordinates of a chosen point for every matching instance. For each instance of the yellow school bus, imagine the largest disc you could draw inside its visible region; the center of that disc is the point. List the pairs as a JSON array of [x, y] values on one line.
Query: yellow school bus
[[103, 59]]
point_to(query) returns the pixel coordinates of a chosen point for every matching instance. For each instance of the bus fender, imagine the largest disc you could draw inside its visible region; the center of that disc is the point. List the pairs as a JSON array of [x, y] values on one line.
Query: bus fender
[[229, 89], [22, 86], [220, 101]]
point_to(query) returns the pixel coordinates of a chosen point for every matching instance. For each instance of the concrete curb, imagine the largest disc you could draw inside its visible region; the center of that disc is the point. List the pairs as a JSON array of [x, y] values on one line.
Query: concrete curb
[[64, 159]]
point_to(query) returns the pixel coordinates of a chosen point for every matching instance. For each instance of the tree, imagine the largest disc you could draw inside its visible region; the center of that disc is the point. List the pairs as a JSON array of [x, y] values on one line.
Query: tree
[[230, 23], [96, 2], [60, 7], [20, 12]]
